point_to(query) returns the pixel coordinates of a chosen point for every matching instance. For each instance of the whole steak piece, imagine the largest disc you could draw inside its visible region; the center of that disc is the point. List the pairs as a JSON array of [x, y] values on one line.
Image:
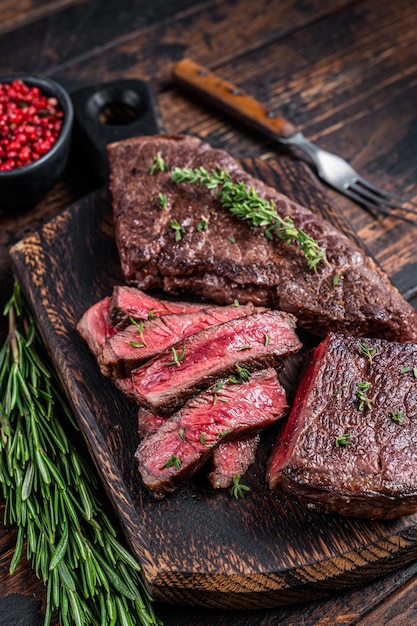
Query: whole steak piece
[[242, 344], [179, 238], [349, 445], [172, 453]]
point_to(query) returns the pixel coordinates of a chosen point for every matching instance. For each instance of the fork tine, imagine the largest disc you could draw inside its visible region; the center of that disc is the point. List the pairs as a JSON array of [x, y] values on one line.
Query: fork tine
[[374, 207], [362, 186]]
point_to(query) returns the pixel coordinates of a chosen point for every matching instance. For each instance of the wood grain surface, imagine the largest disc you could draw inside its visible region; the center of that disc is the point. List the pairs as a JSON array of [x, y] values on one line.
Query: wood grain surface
[[220, 552], [345, 72]]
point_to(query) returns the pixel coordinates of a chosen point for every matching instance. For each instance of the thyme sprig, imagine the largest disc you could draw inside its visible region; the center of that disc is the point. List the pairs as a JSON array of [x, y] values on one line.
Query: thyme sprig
[[244, 202], [177, 357], [343, 440], [238, 490], [367, 352], [362, 389], [52, 494]]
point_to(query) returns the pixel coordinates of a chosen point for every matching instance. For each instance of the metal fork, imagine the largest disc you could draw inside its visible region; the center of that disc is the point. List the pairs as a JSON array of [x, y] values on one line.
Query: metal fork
[[331, 168]]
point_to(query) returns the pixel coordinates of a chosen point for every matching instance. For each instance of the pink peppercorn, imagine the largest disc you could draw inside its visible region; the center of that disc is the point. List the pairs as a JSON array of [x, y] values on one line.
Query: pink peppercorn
[[30, 124]]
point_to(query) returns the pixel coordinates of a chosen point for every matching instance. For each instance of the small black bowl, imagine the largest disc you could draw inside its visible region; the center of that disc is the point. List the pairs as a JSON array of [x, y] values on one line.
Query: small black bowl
[[26, 185]]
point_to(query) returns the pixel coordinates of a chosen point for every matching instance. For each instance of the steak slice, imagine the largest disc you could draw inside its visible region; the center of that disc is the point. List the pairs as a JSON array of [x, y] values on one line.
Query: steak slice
[[231, 459], [349, 445], [230, 259], [134, 345], [94, 326], [168, 380], [148, 422], [129, 302], [170, 455]]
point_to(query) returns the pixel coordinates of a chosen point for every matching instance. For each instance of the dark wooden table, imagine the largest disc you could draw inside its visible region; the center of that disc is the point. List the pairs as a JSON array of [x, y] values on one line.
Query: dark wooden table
[[344, 71]]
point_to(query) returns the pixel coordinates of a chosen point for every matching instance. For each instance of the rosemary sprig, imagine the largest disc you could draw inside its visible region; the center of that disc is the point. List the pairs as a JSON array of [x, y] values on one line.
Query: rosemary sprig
[[51, 493], [244, 202]]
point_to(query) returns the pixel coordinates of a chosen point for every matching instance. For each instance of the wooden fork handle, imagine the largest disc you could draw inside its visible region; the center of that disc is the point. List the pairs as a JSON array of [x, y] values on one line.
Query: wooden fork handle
[[231, 99]]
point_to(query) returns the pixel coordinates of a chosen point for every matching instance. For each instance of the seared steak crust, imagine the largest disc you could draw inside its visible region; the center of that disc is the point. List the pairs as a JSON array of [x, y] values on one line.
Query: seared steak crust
[[372, 400], [228, 259]]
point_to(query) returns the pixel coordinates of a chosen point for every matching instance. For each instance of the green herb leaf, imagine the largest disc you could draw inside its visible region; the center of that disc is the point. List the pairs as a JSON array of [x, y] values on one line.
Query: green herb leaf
[[361, 391], [343, 440], [158, 165], [202, 224], [173, 461], [154, 313], [369, 353], [238, 490], [177, 358], [140, 328], [336, 279], [177, 228], [163, 200], [396, 416]]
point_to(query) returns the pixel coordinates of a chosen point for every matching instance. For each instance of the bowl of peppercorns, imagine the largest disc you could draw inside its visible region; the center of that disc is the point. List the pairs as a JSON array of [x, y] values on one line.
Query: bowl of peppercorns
[[36, 117]]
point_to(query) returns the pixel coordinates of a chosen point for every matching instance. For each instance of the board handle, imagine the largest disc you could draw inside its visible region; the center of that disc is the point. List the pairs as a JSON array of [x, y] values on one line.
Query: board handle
[[232, 99], [109, 112]]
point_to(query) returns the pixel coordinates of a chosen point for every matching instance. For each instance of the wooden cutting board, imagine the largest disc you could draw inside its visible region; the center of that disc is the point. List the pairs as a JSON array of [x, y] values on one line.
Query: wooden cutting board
[[197, 546]]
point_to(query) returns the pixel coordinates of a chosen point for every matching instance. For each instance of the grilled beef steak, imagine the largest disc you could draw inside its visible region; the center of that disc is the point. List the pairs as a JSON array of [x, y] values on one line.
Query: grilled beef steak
[[228, 259], [168, 380], [349, 444], [170, 455], [128, 302], [138, 343]]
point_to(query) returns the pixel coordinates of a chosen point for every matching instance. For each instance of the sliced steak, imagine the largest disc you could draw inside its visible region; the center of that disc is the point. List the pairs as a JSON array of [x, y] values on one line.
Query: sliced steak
[[231, 459], [168, 380], [94, 326], [129, 302], [230, 259], [170, 455], [349, 444], [142, 341]]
